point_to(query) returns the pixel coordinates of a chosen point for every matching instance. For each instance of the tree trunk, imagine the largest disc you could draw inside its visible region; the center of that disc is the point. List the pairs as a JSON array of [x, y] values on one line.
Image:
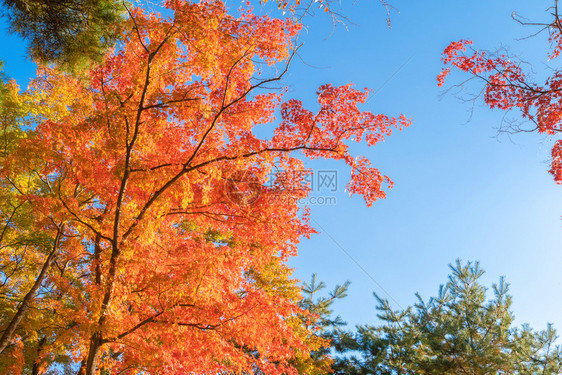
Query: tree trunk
[[37, 363], [20, 313], [96, 340], [92, 360]]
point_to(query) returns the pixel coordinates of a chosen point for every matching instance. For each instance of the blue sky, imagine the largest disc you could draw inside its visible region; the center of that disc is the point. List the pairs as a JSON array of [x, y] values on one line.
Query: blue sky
[[461, 191]]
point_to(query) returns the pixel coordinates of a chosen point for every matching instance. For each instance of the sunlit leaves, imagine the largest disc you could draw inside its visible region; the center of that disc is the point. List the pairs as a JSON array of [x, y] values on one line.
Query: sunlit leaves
[[160, 269], [508, 87]]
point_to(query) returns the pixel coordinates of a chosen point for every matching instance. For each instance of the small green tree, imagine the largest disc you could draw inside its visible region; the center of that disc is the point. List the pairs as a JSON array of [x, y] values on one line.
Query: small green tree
[[321, 306], [458, 332], [320, 319]]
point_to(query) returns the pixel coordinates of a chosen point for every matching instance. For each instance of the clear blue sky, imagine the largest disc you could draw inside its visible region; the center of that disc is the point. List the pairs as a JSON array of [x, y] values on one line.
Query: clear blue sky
[[460, 190]]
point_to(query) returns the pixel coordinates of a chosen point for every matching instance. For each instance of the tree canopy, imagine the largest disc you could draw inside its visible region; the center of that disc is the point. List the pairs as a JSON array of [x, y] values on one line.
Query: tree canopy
[[125, 250], [75, 34], [460, 331], [146, 221]]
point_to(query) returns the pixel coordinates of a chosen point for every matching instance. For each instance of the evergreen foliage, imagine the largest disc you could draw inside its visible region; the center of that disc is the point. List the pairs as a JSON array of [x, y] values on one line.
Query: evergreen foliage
[[74, 34], [458, 332]]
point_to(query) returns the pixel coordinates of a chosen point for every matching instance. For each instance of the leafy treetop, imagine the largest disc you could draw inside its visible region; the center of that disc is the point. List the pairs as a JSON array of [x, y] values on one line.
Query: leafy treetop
[[147, 265]]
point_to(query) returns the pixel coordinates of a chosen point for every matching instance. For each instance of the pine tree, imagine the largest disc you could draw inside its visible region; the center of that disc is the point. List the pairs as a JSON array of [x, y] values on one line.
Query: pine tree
[[71, 33], [458, 332]]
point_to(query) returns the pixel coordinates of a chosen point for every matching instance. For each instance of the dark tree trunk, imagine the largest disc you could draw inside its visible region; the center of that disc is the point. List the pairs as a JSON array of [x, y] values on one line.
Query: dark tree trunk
[[20, 313]]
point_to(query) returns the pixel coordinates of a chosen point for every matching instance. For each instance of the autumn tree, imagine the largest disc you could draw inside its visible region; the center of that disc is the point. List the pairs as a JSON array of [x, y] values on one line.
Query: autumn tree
[[146, 261], [29, 241], [316, 322], [509, 84], [460, 331]]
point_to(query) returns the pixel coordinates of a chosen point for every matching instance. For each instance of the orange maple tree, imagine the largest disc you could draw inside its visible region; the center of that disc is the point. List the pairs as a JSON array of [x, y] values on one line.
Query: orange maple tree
[[508, 86], [149, 265]]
